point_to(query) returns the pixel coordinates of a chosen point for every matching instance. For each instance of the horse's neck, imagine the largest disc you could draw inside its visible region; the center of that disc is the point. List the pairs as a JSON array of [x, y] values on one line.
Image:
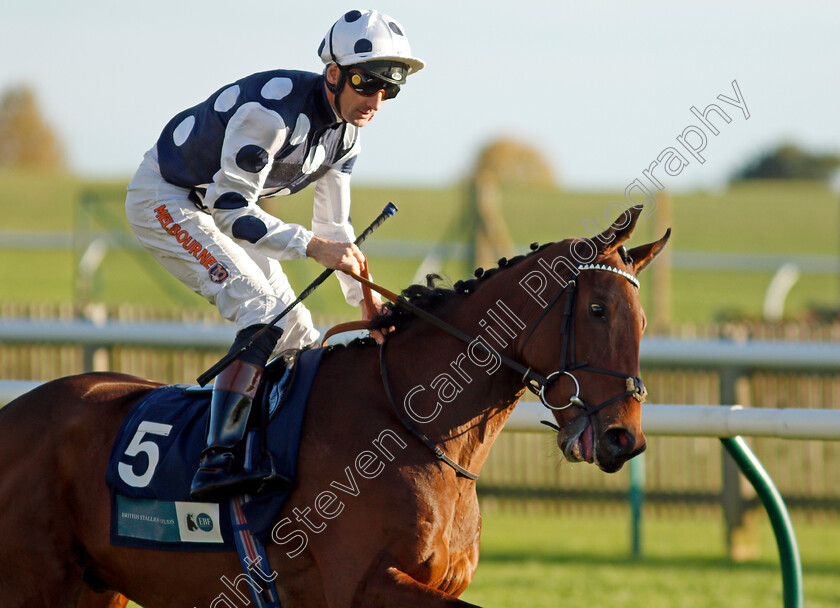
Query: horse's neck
[[470, 442], [457, 394]]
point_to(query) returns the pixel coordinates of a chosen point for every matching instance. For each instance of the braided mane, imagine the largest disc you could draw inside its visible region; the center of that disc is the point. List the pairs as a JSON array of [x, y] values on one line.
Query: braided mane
[[433, 295]]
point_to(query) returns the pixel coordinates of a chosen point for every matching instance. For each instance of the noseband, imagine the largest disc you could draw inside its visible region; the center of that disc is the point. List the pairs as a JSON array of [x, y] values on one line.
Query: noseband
[[634, 386]]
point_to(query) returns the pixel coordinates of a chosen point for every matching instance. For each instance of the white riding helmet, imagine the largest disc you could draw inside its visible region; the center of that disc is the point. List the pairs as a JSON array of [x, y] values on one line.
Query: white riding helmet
[[363, 36]]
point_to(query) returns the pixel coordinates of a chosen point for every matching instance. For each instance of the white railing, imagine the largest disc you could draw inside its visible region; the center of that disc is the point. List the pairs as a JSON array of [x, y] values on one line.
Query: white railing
[[657, 420], [11, 389], [710, 421], [655, 351]]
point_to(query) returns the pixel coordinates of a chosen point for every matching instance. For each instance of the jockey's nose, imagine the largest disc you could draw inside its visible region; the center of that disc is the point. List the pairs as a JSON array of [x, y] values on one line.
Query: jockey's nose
[[375, 101]]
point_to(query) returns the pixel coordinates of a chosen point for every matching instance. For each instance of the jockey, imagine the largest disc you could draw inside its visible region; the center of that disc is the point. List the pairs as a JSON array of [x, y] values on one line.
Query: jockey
[[193, 205]]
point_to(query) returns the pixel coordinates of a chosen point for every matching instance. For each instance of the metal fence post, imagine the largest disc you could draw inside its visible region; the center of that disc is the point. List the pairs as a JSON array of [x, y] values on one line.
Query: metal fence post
[[779, 518]]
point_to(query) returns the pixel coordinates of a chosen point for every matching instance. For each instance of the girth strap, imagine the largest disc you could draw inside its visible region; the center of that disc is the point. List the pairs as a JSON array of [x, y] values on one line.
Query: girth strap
[[252, 554]]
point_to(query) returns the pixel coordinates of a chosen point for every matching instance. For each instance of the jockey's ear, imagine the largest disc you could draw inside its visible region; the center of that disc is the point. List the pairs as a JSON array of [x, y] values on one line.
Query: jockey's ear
[[643, 255], [333, 72], [611, 238]]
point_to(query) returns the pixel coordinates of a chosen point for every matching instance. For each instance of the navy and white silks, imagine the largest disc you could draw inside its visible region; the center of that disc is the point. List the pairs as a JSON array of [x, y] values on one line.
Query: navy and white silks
[[271, 133]]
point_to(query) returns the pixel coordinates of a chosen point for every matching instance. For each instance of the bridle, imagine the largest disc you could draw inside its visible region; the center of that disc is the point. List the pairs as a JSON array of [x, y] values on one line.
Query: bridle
[[634, 386], [535, 382]]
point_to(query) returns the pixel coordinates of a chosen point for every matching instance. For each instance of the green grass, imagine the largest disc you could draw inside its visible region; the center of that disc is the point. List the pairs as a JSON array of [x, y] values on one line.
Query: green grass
[[706, 295], [782, 217], [770, 217], [583, 561], [774, 217]]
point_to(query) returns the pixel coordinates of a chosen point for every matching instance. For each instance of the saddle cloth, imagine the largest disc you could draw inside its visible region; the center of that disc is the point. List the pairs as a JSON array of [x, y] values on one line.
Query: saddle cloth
[[156, 454]]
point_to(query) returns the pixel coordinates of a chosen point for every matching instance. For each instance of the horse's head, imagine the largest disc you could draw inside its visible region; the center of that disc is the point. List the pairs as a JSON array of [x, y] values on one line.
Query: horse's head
[[586, 340]]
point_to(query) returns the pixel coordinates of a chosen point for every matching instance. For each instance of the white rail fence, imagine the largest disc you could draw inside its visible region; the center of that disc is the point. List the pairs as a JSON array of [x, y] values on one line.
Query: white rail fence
[[656, 351], [710, 421], [732, 358]]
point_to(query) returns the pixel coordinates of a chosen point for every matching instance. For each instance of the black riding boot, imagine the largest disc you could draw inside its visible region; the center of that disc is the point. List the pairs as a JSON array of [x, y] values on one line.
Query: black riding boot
[[221, 473]]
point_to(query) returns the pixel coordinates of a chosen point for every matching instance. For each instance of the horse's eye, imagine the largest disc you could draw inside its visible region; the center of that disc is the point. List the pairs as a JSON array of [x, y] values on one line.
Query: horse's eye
[[597, 310]]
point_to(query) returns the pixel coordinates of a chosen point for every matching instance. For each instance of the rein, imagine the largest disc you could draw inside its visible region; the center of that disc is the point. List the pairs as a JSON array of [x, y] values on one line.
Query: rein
[[526, 372], [534, 381]]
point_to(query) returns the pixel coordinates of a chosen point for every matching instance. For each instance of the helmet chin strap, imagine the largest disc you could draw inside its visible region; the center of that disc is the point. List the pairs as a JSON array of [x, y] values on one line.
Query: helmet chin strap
[[338, 87], [336, 90]]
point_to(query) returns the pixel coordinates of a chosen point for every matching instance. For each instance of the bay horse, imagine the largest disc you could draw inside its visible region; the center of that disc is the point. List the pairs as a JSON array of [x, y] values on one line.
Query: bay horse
[[377, 518]]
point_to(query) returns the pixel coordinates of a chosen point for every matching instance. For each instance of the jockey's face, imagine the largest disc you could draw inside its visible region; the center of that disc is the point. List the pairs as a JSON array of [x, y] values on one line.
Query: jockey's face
[[356, 109]]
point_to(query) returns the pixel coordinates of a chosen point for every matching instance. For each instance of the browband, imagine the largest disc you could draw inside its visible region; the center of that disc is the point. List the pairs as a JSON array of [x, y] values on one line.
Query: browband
[[619, 271]]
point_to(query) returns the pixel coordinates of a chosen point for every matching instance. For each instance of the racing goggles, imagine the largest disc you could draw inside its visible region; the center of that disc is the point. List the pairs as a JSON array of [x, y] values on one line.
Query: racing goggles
[[368, 86]]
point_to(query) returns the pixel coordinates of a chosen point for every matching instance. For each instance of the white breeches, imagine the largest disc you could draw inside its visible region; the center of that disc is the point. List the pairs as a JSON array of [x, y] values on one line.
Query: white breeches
[[247, 287]]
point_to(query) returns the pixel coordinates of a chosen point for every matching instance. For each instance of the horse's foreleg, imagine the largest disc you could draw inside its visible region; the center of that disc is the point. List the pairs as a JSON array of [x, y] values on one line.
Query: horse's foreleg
[[109, 599], [396, 589]]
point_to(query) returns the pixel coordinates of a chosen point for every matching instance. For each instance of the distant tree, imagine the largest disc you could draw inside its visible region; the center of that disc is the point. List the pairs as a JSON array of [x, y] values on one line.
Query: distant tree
[[789, 161], [26, 140], [513, 163]]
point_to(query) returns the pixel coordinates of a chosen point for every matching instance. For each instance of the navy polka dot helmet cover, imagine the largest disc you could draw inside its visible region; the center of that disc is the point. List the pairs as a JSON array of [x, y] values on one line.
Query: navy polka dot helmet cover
[[360, 36]]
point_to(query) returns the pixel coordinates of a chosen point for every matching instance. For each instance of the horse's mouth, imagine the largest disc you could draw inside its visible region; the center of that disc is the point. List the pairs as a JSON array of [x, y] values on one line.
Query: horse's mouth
[[580, 447]]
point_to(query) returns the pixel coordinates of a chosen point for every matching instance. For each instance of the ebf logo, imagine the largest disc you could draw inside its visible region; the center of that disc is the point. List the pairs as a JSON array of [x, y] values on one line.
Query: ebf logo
[[218, 272], [204, 522]]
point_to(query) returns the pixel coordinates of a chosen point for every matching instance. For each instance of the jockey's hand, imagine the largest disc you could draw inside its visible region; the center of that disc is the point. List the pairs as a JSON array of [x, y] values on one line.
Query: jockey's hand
[[367, 315], [335, 254]]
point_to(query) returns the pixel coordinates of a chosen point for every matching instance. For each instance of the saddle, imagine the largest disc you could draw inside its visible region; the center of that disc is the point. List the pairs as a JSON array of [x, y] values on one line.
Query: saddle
[[157, 450]]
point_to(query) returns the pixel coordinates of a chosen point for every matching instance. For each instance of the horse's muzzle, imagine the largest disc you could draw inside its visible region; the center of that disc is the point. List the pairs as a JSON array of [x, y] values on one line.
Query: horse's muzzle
[[617, 445], [609, 450]]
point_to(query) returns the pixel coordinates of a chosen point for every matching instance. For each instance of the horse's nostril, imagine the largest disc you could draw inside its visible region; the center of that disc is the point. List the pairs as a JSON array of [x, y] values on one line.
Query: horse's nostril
[[619, 441]]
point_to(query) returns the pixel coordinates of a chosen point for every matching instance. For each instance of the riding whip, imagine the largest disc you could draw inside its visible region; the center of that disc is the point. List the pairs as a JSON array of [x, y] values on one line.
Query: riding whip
[[389, 210]]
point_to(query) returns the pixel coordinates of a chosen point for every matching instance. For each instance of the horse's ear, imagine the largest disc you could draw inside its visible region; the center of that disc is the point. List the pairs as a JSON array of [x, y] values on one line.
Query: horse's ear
[[644, 254], [611, 238]]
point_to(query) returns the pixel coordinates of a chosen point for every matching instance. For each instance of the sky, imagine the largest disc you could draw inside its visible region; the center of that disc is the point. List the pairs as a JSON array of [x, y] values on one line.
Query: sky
[[600, 88]]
